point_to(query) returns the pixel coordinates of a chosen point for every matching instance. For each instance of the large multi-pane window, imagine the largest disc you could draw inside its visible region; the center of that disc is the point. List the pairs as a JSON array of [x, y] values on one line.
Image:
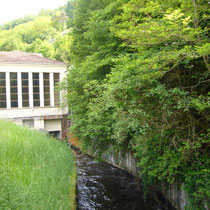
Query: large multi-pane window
[[56, 91], [25, 89], [14, 89], [46, 89], [3, 102], [36, 94]]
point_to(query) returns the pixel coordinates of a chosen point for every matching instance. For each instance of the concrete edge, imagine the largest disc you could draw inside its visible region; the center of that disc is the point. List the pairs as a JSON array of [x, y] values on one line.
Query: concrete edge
[[73, 186]]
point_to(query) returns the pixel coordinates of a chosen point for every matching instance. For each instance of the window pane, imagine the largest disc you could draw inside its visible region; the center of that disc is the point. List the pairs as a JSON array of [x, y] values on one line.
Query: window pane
[[35, 76], [13, 83], [47, 82], [25, 90], [3, 89], [2, 75], [36, 83], [36, 103], [46, 76], [13, 76], [24, 83], [14, 104], [14, 97], [47, 96], [3, 98], [56, 76], [46, 89], [25, 76], [2, 82], [25, 103], [36, 96], [56, 92], [36, 89], [47, 102], [13, 89], [25, 97], [3, 103]]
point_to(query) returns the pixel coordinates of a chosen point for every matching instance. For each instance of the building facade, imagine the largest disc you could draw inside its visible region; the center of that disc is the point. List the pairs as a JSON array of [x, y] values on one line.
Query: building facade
[[29, 94]]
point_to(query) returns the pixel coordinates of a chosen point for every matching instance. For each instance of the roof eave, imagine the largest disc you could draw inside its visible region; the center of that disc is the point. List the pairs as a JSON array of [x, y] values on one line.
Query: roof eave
[[34, 64]]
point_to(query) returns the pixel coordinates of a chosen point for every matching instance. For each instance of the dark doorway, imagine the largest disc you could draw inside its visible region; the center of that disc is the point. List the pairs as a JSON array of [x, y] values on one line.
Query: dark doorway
[[55, 134]]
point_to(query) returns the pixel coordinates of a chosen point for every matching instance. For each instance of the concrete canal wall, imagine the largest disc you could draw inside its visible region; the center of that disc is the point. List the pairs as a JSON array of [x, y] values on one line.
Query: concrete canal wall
[[125, 161], [174, 193]]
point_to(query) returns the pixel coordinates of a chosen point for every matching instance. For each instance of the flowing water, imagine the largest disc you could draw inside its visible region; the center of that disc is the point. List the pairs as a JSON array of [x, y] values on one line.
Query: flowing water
[[104, 187]]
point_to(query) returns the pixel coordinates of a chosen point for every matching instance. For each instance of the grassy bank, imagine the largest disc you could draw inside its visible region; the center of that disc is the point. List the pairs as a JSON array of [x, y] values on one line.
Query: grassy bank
[[36, 172]]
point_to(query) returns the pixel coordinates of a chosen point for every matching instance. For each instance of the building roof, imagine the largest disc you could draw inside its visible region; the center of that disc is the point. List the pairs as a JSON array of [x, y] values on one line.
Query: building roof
[[19, 57]]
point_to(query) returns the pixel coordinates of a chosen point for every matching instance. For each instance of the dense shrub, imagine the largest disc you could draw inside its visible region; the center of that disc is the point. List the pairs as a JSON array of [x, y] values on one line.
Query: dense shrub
[[139, 80]]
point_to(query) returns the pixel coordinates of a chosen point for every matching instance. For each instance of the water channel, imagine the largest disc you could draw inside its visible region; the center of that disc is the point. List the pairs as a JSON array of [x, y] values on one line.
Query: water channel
[[104, 187]]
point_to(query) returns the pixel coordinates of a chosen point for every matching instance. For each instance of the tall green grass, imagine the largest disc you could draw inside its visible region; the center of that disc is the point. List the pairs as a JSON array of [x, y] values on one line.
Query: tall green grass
[[35, 170]]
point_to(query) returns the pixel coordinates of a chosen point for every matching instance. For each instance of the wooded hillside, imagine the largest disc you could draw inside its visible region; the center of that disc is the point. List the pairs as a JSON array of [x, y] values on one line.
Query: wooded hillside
[[46, 33], [139, 80]]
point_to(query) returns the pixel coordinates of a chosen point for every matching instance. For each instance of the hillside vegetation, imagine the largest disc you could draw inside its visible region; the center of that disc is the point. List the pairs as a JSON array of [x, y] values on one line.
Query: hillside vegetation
[[44, 33], [36, 171], [140, 81]]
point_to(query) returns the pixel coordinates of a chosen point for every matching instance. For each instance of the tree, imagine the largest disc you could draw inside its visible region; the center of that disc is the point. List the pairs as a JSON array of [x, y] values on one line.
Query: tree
[[45, 33], [59, 21], [10, 42], [139, 81], [13, 23], [92, 51], [62, 44], [44, 47]]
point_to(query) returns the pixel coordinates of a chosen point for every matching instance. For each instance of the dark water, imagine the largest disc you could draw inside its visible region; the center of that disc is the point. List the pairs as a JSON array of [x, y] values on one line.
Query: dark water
[[102, 186]]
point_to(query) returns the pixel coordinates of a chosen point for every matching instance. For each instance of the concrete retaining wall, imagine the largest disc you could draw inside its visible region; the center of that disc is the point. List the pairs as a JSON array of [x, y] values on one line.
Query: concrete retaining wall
[[174, 193], [125, 161]]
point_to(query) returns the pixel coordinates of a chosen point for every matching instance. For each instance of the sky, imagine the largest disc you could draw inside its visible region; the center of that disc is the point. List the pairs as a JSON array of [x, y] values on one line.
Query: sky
[[13, 9]]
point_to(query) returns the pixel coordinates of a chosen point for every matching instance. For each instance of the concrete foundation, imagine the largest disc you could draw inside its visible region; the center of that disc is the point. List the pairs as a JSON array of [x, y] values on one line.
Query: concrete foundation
[[54, 125]]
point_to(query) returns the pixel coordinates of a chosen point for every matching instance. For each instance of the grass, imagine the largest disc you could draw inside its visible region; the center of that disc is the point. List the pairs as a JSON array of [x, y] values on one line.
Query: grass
[[36, 171]]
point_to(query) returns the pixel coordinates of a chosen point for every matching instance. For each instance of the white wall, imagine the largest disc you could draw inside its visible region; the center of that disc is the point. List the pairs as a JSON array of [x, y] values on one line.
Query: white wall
[[37, 111], [39, 114], [39, 123], [52, 125], [47, 68], [31, 112]]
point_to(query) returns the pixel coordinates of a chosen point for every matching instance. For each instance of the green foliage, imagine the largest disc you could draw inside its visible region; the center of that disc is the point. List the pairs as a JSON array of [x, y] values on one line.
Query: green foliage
[[13, 23], [69, 8], [139, 81], [10, 42], [96, 46], [45, 33], [46, 48], [36, 171], [60, 20], [61, 45]]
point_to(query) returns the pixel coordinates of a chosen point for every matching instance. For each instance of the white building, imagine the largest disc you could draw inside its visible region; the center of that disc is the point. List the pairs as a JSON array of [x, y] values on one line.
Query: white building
[[27, 91]]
